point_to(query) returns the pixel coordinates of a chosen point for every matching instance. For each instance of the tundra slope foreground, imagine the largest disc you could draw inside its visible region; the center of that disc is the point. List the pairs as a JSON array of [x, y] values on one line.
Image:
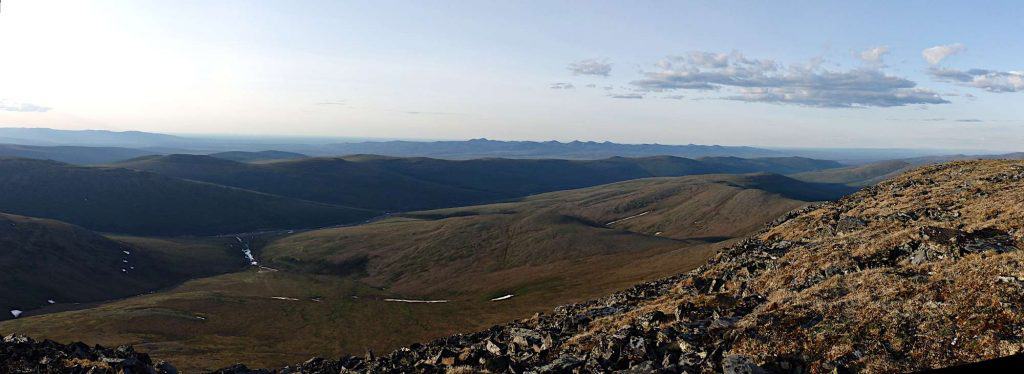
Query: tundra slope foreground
[[923, 271]]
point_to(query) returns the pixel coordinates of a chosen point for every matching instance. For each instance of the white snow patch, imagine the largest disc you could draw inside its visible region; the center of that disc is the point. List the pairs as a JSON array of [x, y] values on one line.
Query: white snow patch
[[506, 297], [124, 270], [416, 301], [201, 318], [627, 218], [126, 252], [247, 253], [51, 301], [16, 313], [657, 233], [284, 298]]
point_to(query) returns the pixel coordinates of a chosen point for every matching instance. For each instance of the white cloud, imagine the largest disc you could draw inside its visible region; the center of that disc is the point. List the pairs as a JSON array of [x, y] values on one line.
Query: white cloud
[[936, 54], [591, 67], [562, 86], [11, 106], [760, 80], [874, 55], [626, 96]]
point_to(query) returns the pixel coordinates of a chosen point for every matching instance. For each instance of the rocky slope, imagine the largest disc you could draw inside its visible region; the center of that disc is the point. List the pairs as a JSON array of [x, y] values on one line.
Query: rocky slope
[[923, 271]]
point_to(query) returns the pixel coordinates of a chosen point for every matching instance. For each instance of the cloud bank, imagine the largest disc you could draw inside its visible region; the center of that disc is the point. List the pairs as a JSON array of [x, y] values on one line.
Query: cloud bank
[[988, 80], [22, 107], [761, 80]]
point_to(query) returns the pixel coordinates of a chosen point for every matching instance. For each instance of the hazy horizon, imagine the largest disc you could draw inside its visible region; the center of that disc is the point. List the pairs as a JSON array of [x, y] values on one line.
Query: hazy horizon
[[911, 75]]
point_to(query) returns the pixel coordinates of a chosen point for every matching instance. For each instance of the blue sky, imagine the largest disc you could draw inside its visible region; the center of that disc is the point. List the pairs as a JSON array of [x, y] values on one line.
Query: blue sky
[[814, 74]]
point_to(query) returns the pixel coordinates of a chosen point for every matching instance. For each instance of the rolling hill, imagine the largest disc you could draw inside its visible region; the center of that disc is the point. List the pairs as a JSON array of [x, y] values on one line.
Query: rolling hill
[[860, 175], [404, 184], [260, 156], [44, 262], [127, 201], [439, 253], [72, 154], [344, 290]]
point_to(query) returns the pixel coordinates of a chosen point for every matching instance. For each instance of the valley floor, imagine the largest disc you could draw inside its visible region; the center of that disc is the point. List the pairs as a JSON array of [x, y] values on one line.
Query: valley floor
[[272, 318]]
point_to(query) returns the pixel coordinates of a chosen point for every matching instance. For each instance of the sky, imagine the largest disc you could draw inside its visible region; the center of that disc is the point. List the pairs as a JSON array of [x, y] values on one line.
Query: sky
[[906, 74]]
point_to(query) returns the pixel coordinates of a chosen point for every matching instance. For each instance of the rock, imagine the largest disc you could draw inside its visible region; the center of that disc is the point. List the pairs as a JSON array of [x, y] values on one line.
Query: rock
[[737, 364], [165, 368]]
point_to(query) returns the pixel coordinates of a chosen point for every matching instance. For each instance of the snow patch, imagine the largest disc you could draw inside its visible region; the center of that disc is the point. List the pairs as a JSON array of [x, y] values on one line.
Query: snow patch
[[126, 252], [247, 252], [506, 297], [51, 301], [416, 301], [627, 218], [16, 313], [284, 298]]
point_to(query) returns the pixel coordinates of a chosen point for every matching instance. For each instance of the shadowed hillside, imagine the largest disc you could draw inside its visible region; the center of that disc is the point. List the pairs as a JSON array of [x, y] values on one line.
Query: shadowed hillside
[[480, 265], [403, 184], [44, 262], [126, 201]]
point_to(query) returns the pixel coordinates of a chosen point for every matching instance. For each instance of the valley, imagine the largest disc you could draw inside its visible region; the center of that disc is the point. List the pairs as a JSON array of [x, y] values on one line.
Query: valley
[[489, 263]]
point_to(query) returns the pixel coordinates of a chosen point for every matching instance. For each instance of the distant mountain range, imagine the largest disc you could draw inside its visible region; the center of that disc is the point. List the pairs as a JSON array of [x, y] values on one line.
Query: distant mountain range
[[112, 146]]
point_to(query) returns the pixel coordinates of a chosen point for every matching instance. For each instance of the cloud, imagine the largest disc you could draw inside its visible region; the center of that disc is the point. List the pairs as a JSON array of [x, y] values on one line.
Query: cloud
[[970, 120], [432, 113], [11, 106], [626, 96], [591, 67], [760, 80], [562, 86], [936, 54], [339, 102], [988, 80], [874, 55], [674, 97]]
